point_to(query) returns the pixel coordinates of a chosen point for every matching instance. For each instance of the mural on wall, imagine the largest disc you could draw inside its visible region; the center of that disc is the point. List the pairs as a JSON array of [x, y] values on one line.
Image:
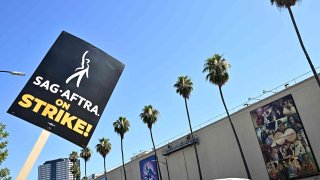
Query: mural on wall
[[148, 168], [283, 142]]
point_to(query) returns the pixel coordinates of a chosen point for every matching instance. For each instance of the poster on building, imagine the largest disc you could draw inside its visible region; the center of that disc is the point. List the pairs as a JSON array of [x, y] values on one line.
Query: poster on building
[[148, 168], [283, 142], [69, 90]]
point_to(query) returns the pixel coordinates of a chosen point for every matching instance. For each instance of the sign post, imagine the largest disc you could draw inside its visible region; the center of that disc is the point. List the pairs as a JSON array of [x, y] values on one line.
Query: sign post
[[33, 156]]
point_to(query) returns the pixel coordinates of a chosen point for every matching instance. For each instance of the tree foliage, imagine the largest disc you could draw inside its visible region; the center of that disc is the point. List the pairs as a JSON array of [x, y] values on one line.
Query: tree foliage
[[75, 170], [86, 153], [103, 147], [73, 156], [121, 126], [184, 86], [3, 143], [216, 68], [149, 115], [4, 172], [284, 3]]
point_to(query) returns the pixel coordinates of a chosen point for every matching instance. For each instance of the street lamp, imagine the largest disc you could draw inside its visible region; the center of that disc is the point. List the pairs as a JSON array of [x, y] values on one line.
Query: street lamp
[[14, 73], [166, 163]]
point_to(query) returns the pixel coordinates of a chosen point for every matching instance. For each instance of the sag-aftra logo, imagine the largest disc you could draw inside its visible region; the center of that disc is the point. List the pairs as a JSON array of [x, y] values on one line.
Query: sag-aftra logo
[[81, 71]]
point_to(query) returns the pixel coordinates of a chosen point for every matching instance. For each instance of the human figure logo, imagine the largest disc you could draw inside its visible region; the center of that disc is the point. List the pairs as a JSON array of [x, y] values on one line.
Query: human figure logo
[[81, 71]]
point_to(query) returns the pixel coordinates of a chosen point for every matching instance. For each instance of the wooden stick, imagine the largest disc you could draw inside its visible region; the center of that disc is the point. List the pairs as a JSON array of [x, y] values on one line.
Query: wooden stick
[[33, 156]]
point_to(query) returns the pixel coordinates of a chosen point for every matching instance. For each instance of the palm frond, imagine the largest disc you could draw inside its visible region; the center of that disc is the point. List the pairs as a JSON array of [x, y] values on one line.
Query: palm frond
[[216, 68], [284, 3], [85, 153], [73, 156], [104, 147], [184, 86], [121, 126], [149, 115]]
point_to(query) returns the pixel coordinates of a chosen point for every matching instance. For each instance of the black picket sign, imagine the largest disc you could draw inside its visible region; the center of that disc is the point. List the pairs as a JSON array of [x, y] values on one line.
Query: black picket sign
[[69, 90]]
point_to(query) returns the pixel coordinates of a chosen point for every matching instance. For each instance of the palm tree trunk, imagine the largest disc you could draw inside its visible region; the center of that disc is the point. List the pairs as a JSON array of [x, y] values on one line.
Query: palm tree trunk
[[194, 144], [124, 169], [235, 134], [303, 48], [104, 164], [155, 153], [85, 168]]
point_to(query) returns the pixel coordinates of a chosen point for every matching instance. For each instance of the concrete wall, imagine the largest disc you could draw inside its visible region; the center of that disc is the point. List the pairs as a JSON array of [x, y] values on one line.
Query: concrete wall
[[218, 152]]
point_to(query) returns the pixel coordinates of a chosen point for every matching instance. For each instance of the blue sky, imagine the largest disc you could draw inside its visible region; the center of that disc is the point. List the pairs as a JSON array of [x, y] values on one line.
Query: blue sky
[[157, 41]]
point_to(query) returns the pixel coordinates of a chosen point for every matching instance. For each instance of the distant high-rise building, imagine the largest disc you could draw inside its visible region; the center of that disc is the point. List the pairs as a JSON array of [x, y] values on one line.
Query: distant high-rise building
[[58, 169]]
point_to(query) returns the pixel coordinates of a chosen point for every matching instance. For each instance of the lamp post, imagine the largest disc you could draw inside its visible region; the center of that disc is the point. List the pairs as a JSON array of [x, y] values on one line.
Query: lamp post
[[166, 163], [14, 73]]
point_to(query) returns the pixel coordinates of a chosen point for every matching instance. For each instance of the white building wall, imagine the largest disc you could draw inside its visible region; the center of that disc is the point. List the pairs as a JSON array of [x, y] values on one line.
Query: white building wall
[[218, 151]]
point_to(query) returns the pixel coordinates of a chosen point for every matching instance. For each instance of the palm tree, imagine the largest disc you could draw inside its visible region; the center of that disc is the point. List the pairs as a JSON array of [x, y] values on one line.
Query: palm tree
[[73, 156], [184, 88], [75, 170], [149, 116], [121, 126], [216, 68], [85, 155], [103, 148], [287, 4]]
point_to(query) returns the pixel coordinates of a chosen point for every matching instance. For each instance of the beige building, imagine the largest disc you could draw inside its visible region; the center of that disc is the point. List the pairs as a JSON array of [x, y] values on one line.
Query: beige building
[[218, 152]]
